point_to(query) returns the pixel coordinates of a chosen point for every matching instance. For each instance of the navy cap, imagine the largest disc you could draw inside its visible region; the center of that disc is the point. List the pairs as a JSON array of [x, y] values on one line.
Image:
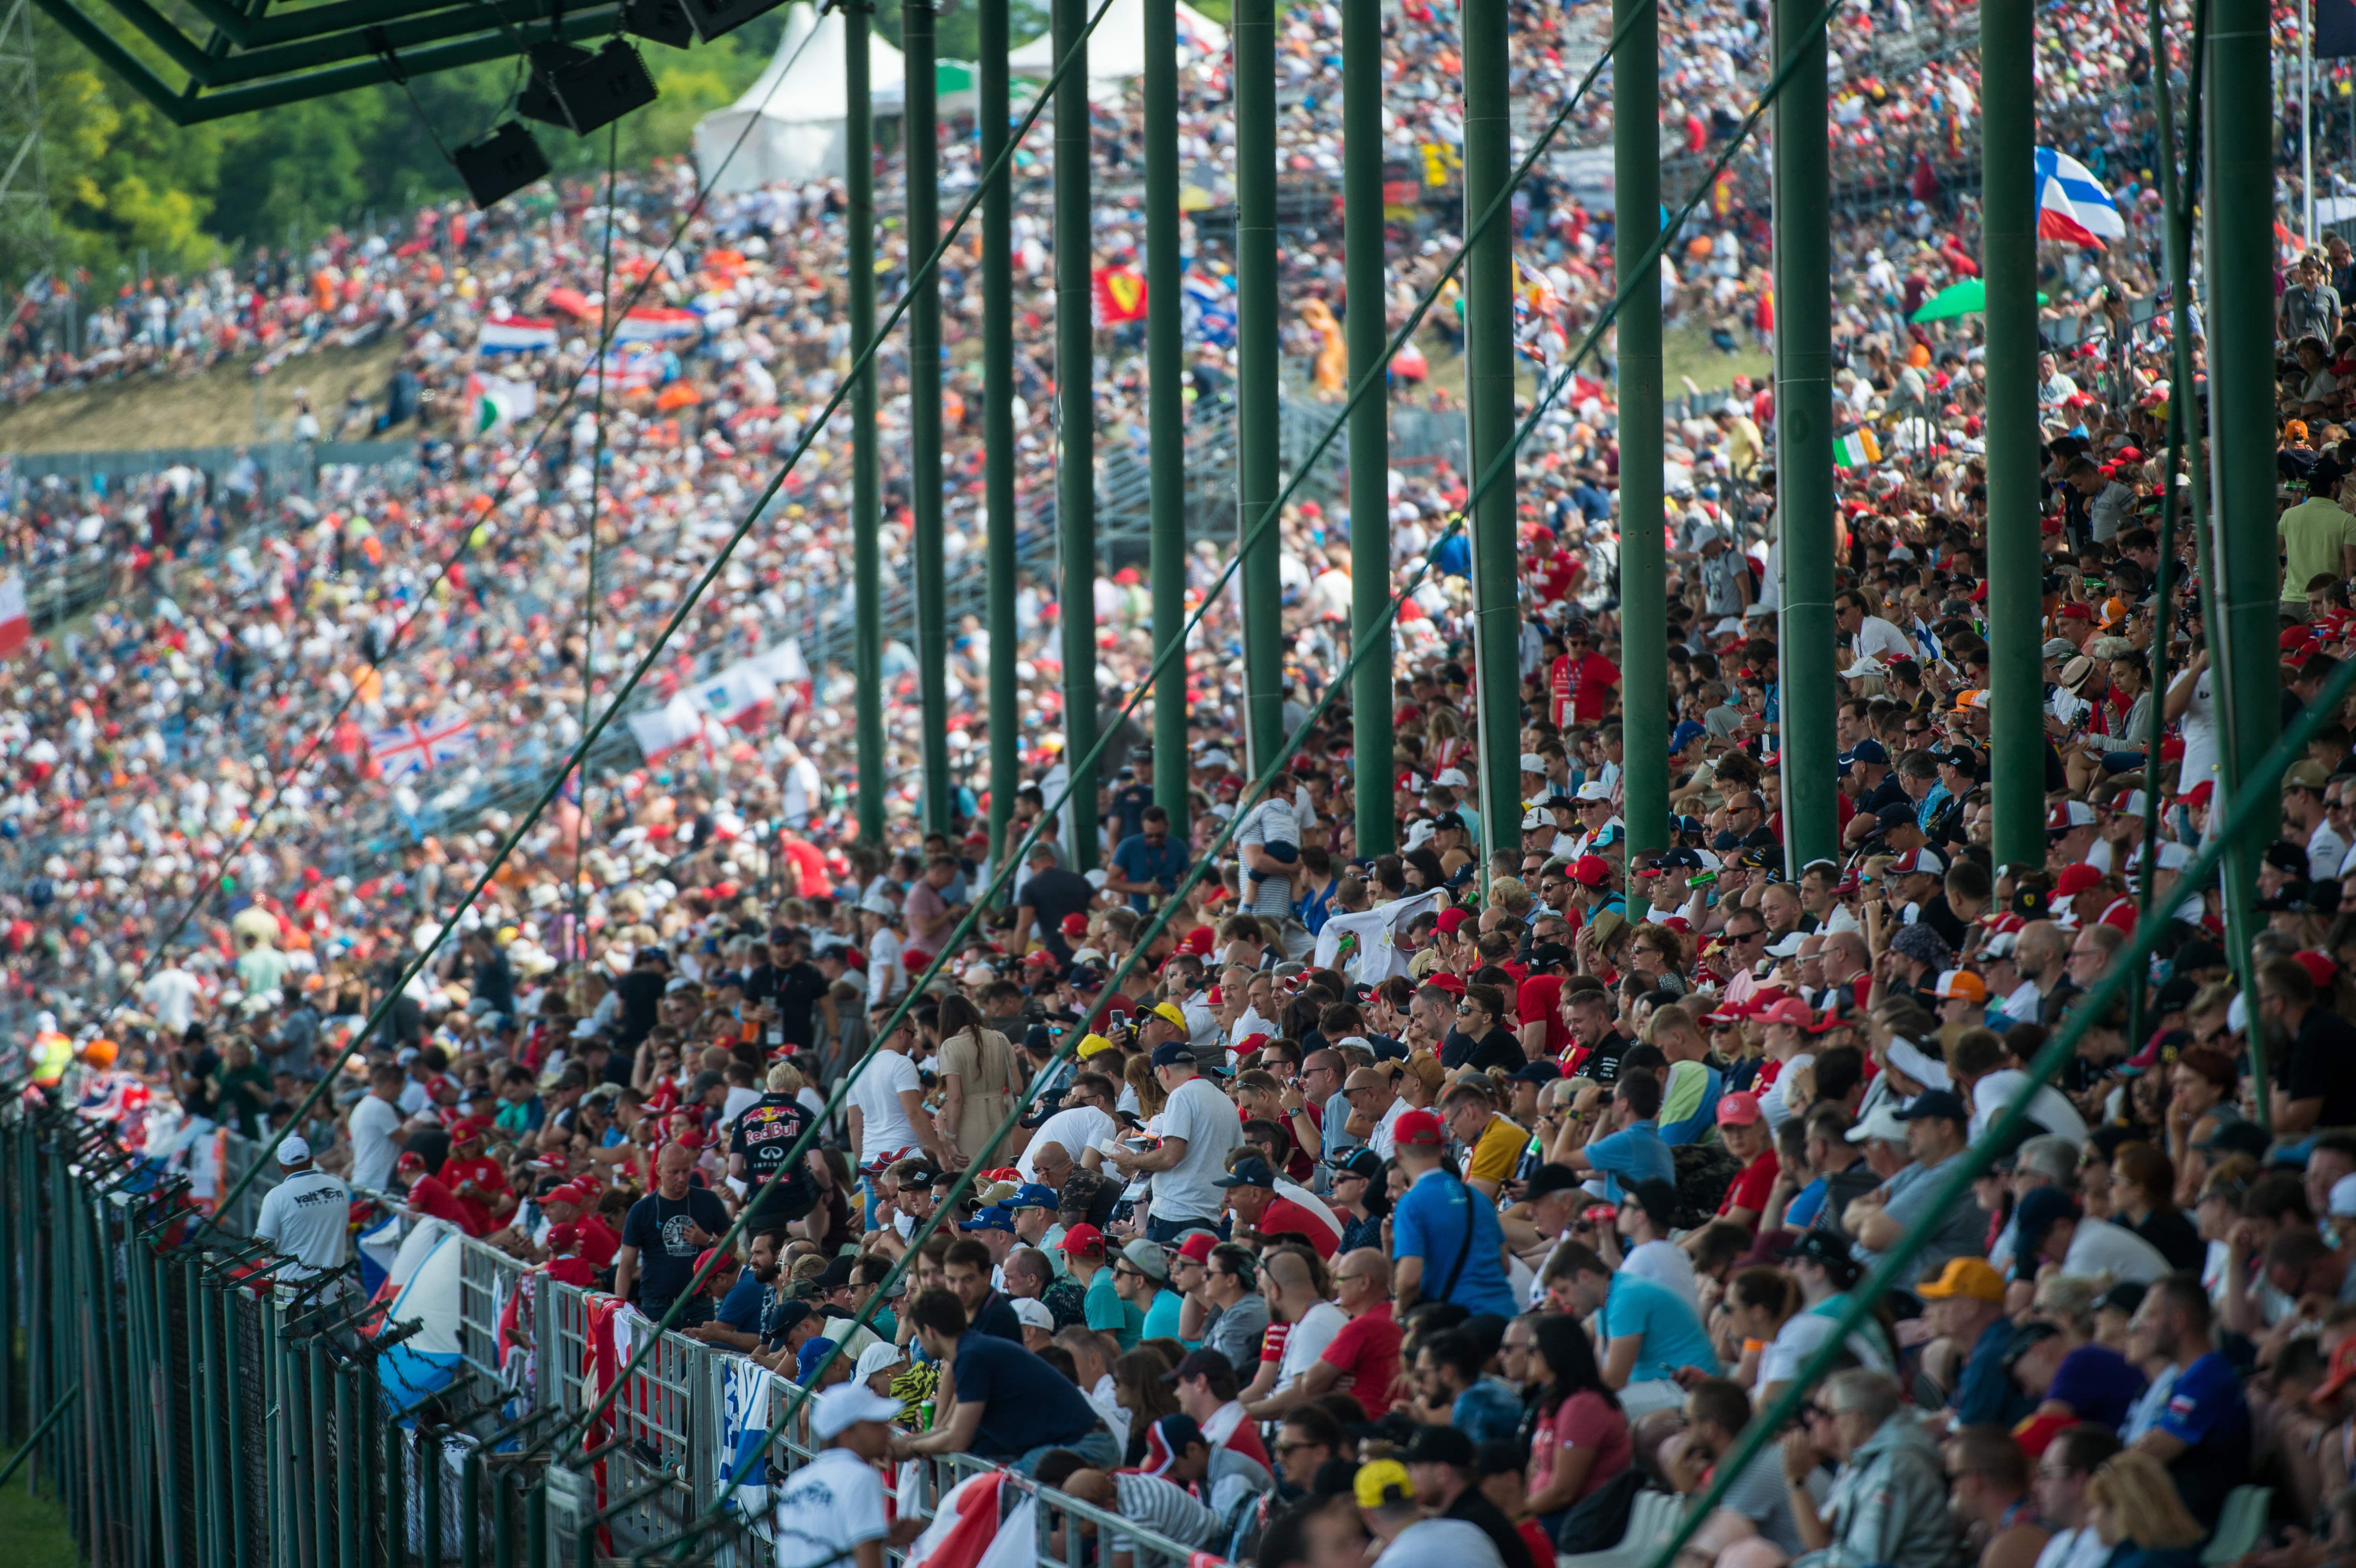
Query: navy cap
[[1936, 1103], [1250, 1171], [1543, 1071], [2040, 1207], [1869, 750], [1173, 1053], [1894, 815]]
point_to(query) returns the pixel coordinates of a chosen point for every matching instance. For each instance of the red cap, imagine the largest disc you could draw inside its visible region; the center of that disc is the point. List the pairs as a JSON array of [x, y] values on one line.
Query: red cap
[[2319, 969], [1042, 959], [1198, 942], [1082, 1242], [1198, 1247], [1790, 1010], [1590, 870], [410, 1162], [1074, 925], [703, 1258], [1740, 1109], [1250, 1044], [2198, 795], [914, 959], [1419, 1129], [466, 1127], [2075, 878], [1451, 921], [1450, 983], [563, 1238], [2075, 612]]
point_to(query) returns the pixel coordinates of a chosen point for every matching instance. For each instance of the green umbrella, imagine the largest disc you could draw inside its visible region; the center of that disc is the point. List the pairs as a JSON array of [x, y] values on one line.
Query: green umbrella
[[1966, 298]]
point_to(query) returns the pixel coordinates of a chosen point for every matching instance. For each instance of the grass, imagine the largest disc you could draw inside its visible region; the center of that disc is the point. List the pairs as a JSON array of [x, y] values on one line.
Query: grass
[[216, 408], [33, 1526]]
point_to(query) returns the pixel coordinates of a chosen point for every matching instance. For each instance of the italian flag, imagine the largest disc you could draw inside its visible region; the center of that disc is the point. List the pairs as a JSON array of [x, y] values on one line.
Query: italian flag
[[1858, 449]]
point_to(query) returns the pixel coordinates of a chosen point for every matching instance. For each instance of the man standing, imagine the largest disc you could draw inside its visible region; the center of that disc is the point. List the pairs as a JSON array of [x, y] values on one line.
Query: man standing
[[1199, 1130], [764, 1135], [664, 1234], [1447, 1240], [886, 1103], [306, 1216], [831, 1510], [378, 1129]]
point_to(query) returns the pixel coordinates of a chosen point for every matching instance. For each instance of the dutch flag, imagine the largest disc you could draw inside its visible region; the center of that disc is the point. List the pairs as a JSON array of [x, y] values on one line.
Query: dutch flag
[[2071, 205]]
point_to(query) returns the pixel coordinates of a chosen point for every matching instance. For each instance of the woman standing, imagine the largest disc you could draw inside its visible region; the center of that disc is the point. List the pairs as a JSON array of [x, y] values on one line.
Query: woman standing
[[979, 1079], [2143, 1198]]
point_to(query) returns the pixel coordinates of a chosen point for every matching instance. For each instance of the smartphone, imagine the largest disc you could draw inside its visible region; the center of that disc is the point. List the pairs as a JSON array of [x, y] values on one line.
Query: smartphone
[[1119, 1018]]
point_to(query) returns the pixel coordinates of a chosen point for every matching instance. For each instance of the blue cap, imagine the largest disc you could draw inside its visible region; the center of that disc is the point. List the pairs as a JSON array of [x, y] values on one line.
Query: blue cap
[[1869, 750], [1173, 1053], [1684, 735], [1034, 1195], [997, 1217]]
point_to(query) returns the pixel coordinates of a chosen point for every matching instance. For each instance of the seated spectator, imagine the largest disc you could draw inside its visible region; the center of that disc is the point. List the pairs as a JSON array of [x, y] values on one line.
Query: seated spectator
[[1580, 1440], [1649, 1332], [1990, 1494], [1889, 1499], [2138, 1515], [1010, 1406]]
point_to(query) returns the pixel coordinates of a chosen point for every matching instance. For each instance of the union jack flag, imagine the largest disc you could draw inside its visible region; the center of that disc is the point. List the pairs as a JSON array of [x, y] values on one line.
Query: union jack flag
[[418, 746]]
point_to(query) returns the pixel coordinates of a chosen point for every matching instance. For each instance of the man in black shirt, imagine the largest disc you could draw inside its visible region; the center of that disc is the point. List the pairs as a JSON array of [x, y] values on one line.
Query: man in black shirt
[[2318, 1071], [967, 1267], [1133, 794], [664, 1233], [798, 991], [1479, 1038], [1048, 895], [641, 993], [1440, 1461], [758, 1145]]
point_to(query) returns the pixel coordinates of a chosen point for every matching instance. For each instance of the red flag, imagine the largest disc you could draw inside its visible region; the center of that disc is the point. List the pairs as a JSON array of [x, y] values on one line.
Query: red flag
[[1119, 296]]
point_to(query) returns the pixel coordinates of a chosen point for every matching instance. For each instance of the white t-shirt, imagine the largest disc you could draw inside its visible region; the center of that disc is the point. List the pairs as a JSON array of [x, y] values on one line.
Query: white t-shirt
[[2199, 731], [1308, 1339], [1077, 1128], [1441, 1543], [2102, 1248], [1878, 639], [2049, 1109], [1802, 1336], [373, 1123], [885, 979], [1206, 1119], [2075, 1549], [829, 1508], [307, 1217], [1384, 1140], [171, 996], [1665, 1263], [884, 1129]]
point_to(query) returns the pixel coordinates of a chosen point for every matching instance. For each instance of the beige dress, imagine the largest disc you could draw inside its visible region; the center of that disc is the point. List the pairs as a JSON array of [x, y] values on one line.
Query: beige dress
[[986, 1074]]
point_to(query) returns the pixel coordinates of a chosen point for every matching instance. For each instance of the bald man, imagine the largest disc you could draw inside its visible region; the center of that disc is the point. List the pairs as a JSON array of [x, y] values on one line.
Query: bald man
[[664, 1233], [1291, 1285]]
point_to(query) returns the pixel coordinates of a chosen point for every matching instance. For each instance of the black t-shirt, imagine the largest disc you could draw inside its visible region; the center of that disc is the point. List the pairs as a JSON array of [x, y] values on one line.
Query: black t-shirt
[[762, 983], [1602, 1062], [1050, 895], [1128, 804], [1940, 917], [641, 991], [997, 1318], [1497, 1049], [797, 992], [764, 1134], [657, 1228], [1472, 1508], [2323, 1066]]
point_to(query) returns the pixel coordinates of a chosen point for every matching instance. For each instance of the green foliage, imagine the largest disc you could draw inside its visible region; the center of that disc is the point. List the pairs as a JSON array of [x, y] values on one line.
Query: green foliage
[[127, 186]]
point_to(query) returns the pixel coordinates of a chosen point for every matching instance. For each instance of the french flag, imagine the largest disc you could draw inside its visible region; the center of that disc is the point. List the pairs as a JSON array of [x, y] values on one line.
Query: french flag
[[514, 333], [652, 323], [2071, 205]]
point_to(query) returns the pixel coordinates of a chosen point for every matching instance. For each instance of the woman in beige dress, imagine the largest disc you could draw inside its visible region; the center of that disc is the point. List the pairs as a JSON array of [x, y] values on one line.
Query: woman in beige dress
[[980, 1078]]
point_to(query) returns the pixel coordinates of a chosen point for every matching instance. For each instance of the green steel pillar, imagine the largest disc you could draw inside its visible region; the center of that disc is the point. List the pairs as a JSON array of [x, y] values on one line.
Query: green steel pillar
[[1259, 456], [998, 420], [2237, 212], [921, 160], [1076, 479], [1804, 445], [2014, 567], [866, 520], [1371, 734], [1165, 369], [1489, 403], [348, 1466], [1644, 571]]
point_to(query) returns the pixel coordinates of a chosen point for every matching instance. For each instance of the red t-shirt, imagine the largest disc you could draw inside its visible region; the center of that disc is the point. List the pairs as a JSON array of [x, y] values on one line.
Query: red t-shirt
[[1283, 1217], [429, 1197], [1367, 1351], [1271, 1341], [598, 1242], [1749, 1190], [1582, 693], [489, 1182], [574, 1271], [1538, 999]]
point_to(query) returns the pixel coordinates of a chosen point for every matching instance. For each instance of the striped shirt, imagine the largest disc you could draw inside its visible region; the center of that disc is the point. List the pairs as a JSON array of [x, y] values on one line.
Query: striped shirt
[[1167, 1511]]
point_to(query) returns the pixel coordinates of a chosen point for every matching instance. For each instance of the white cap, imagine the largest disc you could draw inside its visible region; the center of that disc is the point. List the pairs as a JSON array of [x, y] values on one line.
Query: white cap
[[1033, 1314], [879, 1357], [1788, 947], [1532, 762], [2342, 1203], [845, 1406], [1453, 778], [1215, 758], [292, 1149], [1881, 1126], [1595, 789], [2237, 1014], [1536, 817]]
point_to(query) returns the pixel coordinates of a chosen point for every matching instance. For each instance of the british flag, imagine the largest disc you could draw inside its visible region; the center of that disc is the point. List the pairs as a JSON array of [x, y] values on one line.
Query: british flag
[[419, 746]]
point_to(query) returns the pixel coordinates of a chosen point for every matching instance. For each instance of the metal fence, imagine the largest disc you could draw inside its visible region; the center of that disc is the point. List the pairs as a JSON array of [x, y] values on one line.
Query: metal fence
[[190, 1407]]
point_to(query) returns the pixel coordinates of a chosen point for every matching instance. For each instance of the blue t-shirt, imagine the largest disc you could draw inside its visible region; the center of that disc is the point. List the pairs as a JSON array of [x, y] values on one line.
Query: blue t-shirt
[[2210, 1415], [1162, 1318], [741, 1309], [1109, 1313], [2097, 1382], [1025, 1403], [1488, 1412], [1800, 1213], [1429, 1223], [1635, 1153], [1142, 862], [1985, 1394], [1672, 1336]]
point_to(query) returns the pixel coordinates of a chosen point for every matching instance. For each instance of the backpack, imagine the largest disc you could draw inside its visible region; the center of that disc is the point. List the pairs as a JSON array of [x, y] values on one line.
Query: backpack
[[1704, 1173]]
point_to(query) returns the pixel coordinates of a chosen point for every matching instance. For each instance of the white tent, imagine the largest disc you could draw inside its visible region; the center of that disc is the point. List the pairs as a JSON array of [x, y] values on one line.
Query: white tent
[[1117, 48], [796, 110]]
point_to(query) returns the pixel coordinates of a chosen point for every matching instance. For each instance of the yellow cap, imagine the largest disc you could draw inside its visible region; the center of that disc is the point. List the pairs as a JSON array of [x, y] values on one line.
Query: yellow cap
[[1168, 1013], [1382, 1483], [1974, 1278], [1091, 1044]]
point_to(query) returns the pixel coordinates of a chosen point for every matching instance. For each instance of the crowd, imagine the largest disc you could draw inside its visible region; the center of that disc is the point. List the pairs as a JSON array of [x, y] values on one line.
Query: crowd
[[1438, 1205]]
